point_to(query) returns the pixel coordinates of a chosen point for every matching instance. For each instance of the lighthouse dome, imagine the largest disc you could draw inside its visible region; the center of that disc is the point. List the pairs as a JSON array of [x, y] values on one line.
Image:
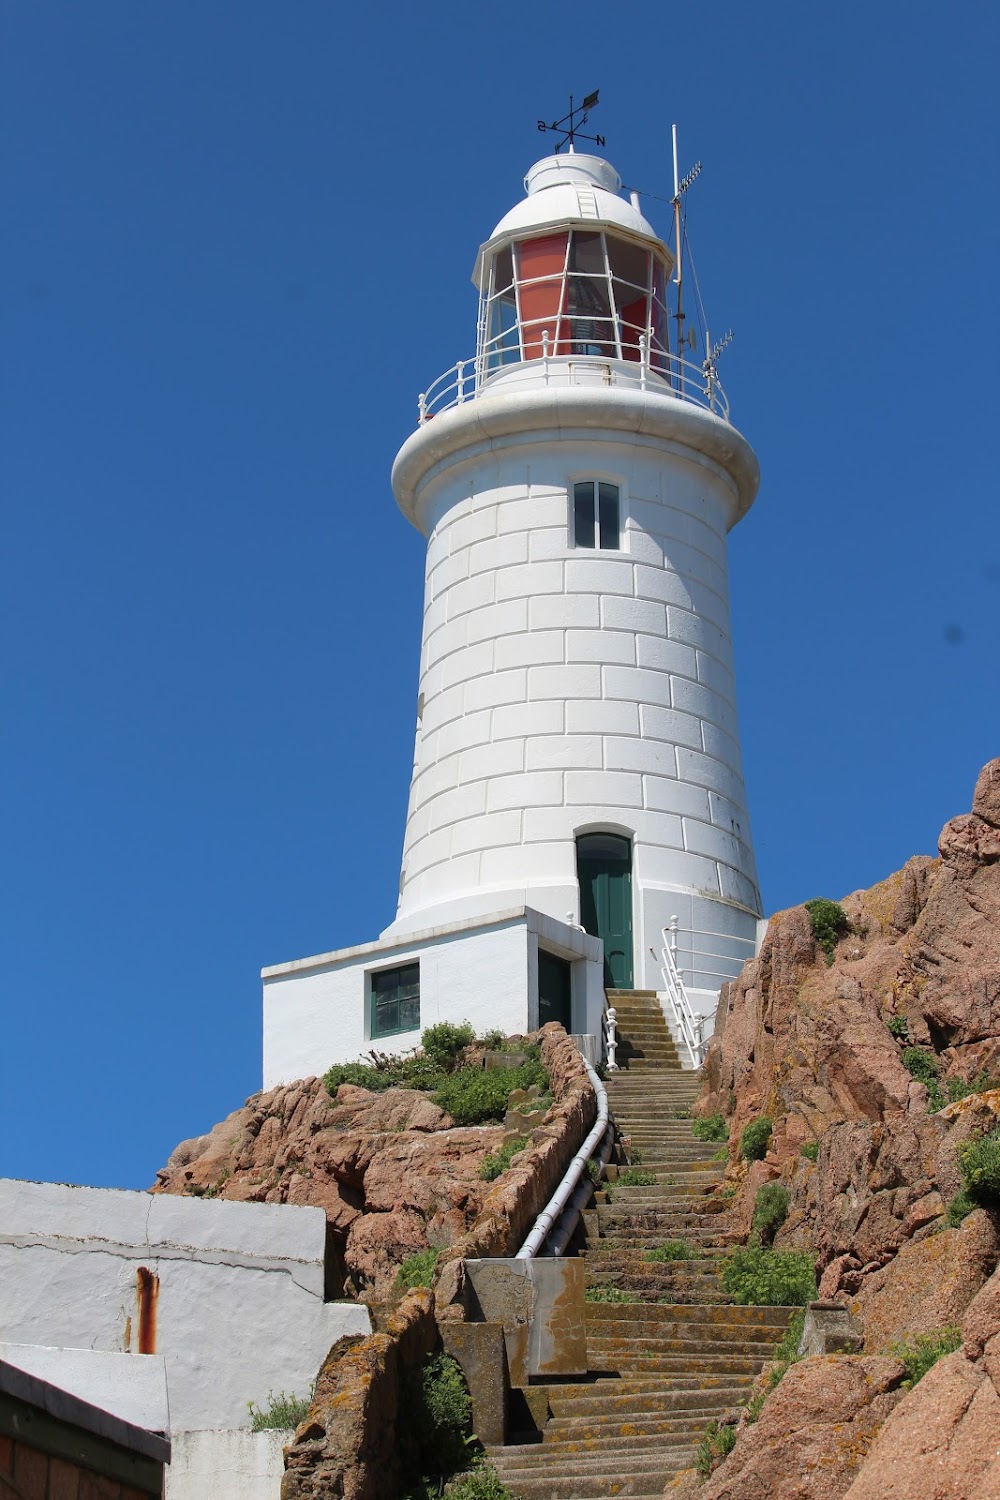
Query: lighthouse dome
[[568, 190]]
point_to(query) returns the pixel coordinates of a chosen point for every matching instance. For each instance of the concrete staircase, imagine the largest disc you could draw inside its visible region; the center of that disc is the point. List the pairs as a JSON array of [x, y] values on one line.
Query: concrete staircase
[[675, 1355]]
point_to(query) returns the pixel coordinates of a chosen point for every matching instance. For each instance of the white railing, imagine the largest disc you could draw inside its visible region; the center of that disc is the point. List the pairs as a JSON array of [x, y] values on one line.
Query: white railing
[[691, 957], [681, 1013], [664, 374], [611, 1038]]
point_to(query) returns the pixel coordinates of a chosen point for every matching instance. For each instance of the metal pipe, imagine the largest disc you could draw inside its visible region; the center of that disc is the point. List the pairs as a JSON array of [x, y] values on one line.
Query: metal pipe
[[563, 1231], [561, 1196]]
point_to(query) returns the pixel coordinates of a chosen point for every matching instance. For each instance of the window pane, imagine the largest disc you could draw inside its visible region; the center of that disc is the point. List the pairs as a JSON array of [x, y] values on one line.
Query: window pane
[[608, 495], [586, 253], [628, 262], [395, 1000], [583, 513], [503, 270]]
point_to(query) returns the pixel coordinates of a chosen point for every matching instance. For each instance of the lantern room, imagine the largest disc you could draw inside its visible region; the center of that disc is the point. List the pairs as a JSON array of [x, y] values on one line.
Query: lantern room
[[574, 270]]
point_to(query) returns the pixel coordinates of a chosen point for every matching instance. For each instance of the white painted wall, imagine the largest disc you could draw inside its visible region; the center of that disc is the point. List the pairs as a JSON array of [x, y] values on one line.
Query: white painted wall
[[130, 1386], [564, 690], [240, 1308], [317, 1010], [226, 1464]]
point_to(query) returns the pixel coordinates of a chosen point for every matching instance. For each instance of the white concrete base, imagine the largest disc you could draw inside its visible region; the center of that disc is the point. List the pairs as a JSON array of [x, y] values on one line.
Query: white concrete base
[[317, 1011], [226, 1464], [130, 1386]]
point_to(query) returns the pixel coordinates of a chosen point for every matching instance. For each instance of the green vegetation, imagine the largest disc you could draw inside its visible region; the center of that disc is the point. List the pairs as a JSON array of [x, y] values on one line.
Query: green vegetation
[[921, 1064], [474, 1095], [770, 1210], [715, 1445], [959, 1088], [755, 1138], [810, 1150], [925, 1067], [441, 1416], [959, 1208], [899, 1027], [829, 922], [773, 1278], [785, 1355], [636, 1177], [417, 1270], [282, 1411], [608, 1294], [494, 1040], [922, 1350], [495, 1163], [672, 1250], [979, 1162], [711, 1128], [443, 1043], [479, 1484]]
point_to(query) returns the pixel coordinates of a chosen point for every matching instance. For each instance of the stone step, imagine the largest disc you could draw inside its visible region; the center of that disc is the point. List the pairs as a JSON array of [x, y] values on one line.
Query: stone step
[[609, 1319], [656, 1402], [600, 1431], [622, 1470]]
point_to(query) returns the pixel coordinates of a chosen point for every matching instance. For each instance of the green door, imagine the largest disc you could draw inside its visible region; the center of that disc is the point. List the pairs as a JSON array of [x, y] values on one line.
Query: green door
[[604, 870], [553, 990]]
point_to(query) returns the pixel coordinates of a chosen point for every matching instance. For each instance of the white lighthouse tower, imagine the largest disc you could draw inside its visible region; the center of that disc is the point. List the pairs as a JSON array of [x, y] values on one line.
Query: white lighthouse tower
[[577, 746], [577, 816]]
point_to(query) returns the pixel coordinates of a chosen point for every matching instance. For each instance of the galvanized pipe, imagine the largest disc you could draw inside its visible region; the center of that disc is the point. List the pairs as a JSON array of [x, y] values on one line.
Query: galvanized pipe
[[563, 1192], [562, 1233]]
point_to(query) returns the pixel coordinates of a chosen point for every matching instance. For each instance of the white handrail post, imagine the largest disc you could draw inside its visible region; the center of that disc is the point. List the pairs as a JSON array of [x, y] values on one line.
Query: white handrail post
[[421, 409], [673, 937], [545, 355], [612, 1035], [643, 360], [461, 381]]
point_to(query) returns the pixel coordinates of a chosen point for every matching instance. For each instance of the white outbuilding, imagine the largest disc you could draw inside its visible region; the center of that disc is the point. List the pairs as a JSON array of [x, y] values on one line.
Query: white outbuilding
[[577, 815]]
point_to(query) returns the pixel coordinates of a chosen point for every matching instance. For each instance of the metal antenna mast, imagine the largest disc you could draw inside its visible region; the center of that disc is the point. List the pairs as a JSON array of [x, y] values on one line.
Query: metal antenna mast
[[681, 186], [569, 125]]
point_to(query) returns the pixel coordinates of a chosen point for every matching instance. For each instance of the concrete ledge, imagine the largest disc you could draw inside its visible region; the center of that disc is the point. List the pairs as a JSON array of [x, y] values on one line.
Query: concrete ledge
[[540, 1305]]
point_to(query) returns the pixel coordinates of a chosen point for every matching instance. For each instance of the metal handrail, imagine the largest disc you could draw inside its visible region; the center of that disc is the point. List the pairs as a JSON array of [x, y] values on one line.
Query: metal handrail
[[560, 1198], [664, 374], [682, 1013], [697, 954]]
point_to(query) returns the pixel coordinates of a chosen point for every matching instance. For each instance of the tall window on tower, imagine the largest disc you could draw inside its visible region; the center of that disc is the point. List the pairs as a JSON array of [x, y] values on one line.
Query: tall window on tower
[[596, 515]]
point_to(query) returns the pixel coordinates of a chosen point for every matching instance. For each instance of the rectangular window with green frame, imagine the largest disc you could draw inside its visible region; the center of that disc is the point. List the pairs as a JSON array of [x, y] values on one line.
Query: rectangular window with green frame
[[395, 1000]]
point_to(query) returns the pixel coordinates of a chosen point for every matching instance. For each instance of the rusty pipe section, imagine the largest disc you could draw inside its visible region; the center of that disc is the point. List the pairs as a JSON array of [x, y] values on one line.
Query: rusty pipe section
[[560, 1198]]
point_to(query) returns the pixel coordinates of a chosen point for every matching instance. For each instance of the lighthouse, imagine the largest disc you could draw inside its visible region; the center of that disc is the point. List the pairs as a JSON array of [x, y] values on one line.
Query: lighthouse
[[577, 744], [577, 786]]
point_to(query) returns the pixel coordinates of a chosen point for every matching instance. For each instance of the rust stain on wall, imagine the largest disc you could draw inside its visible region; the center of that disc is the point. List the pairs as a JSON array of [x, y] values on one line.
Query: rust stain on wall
[[147, 1285]]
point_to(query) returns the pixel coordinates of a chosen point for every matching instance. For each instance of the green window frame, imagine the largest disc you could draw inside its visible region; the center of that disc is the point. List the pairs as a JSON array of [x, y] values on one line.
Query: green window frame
[[395, 1000]]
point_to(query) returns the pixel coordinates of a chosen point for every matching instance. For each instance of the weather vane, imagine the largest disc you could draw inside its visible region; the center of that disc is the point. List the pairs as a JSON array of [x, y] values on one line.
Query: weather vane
[[569, 125]]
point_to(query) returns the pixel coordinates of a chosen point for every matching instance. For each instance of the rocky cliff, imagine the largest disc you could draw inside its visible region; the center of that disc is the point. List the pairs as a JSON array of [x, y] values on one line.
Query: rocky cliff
[[391, 1170], [853, 1054]]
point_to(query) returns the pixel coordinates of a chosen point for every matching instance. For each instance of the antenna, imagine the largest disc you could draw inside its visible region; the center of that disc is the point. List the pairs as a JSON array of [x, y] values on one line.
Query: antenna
[[569, 125], [681, 185]]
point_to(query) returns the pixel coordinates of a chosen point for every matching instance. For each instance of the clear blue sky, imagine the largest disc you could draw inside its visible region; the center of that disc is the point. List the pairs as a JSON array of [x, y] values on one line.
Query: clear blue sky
[[237, 242]]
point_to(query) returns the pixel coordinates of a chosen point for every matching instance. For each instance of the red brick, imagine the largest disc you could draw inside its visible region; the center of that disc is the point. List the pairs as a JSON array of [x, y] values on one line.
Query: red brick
[[6, 1455], [31, 1472], [64, 1480]]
